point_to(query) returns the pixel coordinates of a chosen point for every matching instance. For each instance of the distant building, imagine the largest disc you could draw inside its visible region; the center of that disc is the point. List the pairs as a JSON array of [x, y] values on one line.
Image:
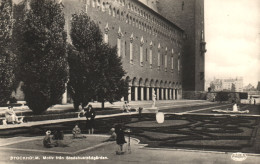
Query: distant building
[[258, 86], [249, 87], [226, 84]]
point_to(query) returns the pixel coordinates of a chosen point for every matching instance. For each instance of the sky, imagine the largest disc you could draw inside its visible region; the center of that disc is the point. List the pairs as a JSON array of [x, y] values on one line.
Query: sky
[[232, 29]]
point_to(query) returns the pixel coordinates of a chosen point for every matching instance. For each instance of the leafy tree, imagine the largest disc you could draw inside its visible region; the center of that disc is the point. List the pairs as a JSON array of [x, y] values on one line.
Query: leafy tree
[[41, 43], [110, 86], [95, 69], [7, 58], [212, 86], [233, 87]]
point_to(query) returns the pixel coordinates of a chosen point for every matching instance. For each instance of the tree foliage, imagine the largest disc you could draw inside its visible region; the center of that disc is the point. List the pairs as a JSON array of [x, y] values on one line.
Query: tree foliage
[[95, 69], [233, 87], [41, 45], [7, 57]]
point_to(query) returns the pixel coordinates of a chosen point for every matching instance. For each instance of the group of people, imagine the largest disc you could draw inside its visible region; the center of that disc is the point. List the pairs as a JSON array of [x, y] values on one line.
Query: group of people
[[11, 117], [117, 132]]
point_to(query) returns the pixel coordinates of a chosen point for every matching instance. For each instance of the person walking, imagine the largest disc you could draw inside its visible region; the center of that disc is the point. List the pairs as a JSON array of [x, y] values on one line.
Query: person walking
[[90, 116], [120, 138]]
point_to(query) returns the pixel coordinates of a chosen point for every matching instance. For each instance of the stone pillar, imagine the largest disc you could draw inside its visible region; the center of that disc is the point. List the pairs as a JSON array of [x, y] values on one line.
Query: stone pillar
[[170, 94], [142, 93], [147, 93], [166, 93], [64, 96], [173, 94], [129, 94], [162, 93], [158, 94], [136, 93]]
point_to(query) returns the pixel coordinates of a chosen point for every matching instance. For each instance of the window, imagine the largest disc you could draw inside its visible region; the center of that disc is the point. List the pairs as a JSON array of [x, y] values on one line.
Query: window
[[114, 12], [151, 54], [141, 51], [146, 55], [109, 10], [131, 48]]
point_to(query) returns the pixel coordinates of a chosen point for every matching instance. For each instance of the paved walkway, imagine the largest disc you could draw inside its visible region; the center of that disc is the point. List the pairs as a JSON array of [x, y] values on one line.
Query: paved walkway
[[138, 154]]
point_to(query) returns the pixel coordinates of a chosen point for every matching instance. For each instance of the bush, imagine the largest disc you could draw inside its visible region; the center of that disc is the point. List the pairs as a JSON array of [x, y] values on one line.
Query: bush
[[243, 95]]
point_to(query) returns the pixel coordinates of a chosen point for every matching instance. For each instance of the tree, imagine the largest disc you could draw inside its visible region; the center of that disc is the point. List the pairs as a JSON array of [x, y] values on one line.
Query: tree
[[7, 57], [110, 86], [212, 86], [41, 44], [233, 88], [95, 69]]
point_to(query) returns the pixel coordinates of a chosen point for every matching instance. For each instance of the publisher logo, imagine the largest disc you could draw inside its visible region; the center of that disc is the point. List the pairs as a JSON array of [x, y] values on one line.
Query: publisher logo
[[238, 156]]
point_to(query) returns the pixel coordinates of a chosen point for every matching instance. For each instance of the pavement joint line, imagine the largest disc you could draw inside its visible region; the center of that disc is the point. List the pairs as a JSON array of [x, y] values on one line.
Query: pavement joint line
[[191, 111], [201, 151]]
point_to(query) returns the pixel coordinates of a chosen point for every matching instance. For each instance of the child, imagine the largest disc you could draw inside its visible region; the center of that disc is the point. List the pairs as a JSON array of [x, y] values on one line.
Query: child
[[77, 132], [47, 140], [120, 138]]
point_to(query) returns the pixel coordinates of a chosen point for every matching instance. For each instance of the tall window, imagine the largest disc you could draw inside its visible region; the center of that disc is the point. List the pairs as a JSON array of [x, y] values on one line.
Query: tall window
[[165, 58], [172, 60], [106, 33], [151, 54], [159, 56], [131, 48], [179, 63], [125, 49], [119, 42], [141, 51], [146, 55]]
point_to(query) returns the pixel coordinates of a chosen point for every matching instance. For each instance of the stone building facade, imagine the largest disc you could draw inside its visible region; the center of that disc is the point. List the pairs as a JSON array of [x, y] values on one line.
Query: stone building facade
[[189, 15], [161, 43], [149, 45]]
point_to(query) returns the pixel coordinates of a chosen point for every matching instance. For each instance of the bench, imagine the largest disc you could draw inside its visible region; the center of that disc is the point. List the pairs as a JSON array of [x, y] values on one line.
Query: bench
[[80, 113], [4, 121]]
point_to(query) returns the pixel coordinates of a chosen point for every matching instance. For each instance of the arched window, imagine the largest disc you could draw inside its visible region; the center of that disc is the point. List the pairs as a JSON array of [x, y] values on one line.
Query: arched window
[[103, 8], [110, 10], [126, 20], [128, 6], [114, 12], [118, 14], [122, 15], [93, 3], [130, 20]]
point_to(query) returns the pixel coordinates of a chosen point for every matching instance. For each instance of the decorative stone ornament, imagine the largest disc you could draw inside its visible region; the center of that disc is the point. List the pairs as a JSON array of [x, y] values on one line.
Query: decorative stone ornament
[[151, 44], [106, 29], [142, 41], [160, 117], [119, 34], [132, 38]]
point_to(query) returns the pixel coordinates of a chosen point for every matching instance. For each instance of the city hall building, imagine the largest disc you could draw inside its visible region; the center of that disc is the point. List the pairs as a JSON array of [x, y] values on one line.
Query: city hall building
[[160, 42]]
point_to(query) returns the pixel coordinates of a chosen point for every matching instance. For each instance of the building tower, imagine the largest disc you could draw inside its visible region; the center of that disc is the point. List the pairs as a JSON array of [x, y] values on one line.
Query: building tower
[[189, 15]]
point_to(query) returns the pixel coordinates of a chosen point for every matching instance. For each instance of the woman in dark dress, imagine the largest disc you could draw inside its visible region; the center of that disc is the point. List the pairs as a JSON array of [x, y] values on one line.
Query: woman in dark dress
[[120, 138], [90, 116]]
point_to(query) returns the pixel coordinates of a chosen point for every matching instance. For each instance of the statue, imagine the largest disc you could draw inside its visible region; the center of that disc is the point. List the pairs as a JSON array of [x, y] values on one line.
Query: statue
[[154, 98], [235, 108]]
